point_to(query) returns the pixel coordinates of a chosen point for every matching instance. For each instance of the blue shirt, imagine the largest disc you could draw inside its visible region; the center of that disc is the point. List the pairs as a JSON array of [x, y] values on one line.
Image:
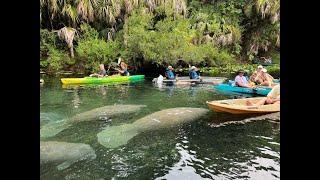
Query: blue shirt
[[194, 75], [170, 74]]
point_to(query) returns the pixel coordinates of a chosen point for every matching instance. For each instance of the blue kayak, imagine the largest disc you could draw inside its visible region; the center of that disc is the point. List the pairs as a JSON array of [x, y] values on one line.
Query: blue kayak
[[228, 87]]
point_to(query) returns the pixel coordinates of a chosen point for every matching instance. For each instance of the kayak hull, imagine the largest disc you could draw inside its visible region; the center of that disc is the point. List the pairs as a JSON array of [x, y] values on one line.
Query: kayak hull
[[259, 90], [238, 106], [95, 80]]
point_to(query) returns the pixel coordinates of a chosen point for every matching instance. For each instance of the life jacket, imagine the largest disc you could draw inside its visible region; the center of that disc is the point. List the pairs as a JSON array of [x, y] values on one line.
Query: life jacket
[[193, 75], [170, 74]]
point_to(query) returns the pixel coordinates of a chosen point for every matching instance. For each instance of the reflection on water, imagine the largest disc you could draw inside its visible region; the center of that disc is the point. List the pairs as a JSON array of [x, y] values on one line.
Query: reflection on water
[[76, 99], [198, 150], [184, 169]]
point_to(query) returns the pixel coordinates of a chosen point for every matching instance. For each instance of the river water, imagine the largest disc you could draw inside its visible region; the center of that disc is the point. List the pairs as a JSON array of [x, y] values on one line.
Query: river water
[[198, 150]]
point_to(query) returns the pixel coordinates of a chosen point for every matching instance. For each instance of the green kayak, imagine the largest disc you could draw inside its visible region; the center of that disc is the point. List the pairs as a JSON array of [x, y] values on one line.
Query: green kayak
[[96, 80]]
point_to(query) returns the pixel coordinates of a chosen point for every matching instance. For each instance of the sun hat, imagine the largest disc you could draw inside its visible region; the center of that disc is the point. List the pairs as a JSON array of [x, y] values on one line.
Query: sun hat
[[193, 67], [260, 67]]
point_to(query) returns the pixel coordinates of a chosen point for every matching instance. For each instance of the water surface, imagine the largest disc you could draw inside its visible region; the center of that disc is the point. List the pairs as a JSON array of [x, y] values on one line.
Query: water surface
[[198, 150]]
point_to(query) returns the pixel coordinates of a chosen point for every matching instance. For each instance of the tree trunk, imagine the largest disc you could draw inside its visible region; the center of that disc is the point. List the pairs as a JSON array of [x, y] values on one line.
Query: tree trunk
[[71, 51]]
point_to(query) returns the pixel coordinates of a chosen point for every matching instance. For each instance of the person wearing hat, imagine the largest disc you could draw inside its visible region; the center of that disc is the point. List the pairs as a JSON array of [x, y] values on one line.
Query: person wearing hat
[[255, 75], [264, 79], [101, 73], [123, 67], [169, 73], [241, 80], [193, 73]]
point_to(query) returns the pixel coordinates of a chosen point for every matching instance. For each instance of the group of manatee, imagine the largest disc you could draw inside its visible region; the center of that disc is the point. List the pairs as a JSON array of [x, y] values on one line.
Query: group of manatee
[[65, 153]]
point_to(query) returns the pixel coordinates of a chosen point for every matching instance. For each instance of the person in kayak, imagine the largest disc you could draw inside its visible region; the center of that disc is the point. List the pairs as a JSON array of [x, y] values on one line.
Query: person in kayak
[[264, 79], [273, 97], [255, 74], [241, 80], [101, 73], [193, 73], [169, 73], [123, 68]]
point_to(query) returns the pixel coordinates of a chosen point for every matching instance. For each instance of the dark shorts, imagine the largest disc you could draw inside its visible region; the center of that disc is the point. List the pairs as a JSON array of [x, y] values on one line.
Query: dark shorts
[[125, 73]]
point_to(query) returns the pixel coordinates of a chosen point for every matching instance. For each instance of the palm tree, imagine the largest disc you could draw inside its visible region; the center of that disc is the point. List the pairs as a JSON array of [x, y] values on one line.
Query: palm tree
[[85, 9]]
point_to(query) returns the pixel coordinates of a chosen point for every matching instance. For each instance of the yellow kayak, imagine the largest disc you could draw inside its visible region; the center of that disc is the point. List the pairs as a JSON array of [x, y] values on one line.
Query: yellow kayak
[[96, 80], [238, 106]]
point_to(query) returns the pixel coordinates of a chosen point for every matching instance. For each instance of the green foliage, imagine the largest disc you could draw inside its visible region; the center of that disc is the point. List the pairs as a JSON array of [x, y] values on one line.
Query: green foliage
[[169, 41], [87, 32], [93, 50], [53, 56], [56, 59], [202, 33], [274, 71], [275, 57], [230, 70], [47, 40]]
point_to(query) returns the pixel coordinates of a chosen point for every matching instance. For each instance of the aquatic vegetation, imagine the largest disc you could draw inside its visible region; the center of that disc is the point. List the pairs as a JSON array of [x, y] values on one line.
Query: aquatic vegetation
[[115, 136], [64, 153], [51, 129]]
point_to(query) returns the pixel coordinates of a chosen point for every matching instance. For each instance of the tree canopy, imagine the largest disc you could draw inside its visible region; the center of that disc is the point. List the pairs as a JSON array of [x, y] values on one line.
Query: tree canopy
[[209, 32]]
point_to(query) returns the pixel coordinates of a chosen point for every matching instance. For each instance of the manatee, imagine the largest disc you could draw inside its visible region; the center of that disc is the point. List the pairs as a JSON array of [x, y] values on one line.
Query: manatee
[[47, 117], [52, 129], [64, 153], [115, 136]]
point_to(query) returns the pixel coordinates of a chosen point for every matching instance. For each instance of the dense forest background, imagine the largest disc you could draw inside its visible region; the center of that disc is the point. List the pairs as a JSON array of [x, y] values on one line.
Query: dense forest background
[[77, 35]]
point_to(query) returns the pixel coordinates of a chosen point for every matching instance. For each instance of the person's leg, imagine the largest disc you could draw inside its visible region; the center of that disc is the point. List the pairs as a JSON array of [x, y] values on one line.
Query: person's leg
[[269, 101], [277, 102], [94, 75], [249, 103], [261, 102]]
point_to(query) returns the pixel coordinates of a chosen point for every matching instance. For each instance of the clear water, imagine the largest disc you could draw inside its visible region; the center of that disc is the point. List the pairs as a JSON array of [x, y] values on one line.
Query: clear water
[[198, 150]]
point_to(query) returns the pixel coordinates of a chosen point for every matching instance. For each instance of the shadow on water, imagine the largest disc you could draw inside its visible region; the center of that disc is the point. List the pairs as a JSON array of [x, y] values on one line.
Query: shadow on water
[[196, 150]]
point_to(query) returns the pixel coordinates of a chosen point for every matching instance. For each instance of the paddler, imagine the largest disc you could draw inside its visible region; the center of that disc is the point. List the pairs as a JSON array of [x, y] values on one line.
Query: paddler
[[241, 80], [255, 74], [193, 73], [123, 67], [264, 79], [101, 73], [169, 73]]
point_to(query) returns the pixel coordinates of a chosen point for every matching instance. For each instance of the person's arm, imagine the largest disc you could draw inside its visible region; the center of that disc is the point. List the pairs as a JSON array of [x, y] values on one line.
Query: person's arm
[[119, 70], [257, 78], [242, 85]]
